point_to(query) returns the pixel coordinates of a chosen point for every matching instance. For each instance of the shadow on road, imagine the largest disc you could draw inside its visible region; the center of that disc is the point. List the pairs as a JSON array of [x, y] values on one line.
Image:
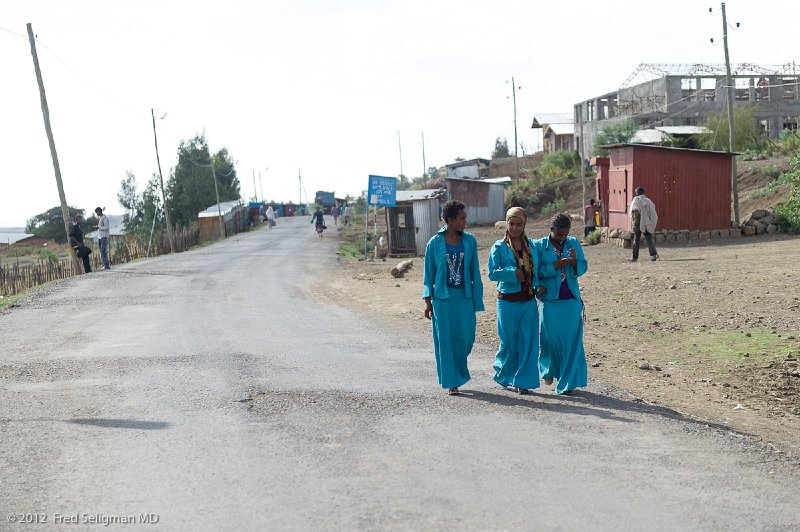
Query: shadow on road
[[120, 423]]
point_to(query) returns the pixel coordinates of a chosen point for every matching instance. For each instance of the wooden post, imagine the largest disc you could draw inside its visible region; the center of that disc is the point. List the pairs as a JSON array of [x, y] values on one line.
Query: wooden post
[[163, 192], [46, 114], [731, 147]]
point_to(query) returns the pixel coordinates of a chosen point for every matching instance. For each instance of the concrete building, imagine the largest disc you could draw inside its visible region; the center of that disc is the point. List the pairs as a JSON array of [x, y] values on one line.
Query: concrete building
[[472, 169], [685, 95]]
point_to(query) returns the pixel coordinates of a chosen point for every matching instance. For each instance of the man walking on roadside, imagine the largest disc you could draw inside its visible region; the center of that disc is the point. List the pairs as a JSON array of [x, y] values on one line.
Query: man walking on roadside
[[348, 212], [644, 218], [590, 218], [103, 234]]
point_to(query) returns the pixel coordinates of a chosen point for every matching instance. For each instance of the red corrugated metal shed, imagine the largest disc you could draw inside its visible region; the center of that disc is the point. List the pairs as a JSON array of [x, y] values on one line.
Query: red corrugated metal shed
[[690, 188]]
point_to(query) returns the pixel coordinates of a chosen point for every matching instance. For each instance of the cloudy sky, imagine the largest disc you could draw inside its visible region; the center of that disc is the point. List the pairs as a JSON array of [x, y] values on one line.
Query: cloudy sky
[[322, 87]]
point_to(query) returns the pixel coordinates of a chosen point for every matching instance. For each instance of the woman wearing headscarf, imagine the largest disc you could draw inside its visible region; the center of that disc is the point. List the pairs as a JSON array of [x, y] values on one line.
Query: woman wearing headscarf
[[453, 293], [560, 262], [512, 267], [271, 217]]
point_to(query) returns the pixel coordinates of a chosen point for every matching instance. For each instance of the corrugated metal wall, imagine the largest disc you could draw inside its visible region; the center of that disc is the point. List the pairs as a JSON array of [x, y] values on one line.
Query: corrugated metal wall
[[426, 219], [691, 189], [484, 201]]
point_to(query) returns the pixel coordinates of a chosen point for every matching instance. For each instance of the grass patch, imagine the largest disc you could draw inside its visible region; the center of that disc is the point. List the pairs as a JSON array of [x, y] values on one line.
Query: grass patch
[[761, 346]]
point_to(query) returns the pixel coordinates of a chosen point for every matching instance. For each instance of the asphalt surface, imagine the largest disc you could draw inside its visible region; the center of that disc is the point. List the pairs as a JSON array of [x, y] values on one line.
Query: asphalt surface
[[219, 389]]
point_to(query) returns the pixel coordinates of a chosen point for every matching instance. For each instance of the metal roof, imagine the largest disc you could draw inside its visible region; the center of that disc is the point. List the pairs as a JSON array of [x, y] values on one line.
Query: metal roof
[[544, 119], [10, 238], [561, 129], [500, 180], [649, 146], [471, 162], [683, 130], [418, 195], [224, 206]]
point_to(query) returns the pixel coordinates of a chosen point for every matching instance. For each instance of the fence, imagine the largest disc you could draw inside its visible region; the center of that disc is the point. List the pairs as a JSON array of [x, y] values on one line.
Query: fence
[[16, 278]]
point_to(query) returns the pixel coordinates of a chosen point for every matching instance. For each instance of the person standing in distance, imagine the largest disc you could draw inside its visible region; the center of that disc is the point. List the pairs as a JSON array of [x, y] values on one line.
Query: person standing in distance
[[590, 218], [644, 219], [453, 292], [103, 234], [76, 241]]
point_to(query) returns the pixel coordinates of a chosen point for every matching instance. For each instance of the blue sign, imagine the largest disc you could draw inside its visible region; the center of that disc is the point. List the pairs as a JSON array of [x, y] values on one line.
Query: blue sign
[[382, 191]]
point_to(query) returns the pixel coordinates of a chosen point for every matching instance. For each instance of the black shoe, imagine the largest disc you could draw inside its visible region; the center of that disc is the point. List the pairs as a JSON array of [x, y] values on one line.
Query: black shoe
[[653, 257], [632, 260]]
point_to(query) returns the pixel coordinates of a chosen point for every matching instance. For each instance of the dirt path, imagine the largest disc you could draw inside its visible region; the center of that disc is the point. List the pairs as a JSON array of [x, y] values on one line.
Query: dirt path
[[717, 325]]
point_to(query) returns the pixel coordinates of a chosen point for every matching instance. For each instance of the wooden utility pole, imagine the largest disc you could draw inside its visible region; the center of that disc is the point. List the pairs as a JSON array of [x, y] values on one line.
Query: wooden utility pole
[[400, 149], [170, 234], [731, 147], [424, 165], [255, 190], [516, 142], [580, 150], [46, 114], [219, 208]]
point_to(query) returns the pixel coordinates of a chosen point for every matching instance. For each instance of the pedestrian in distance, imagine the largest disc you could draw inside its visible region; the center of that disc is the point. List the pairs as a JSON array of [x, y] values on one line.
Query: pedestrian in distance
[[643, 219], [335, 214], [512, 267], [76, 241], [103, 233], [453, 292], [271, 217], [348, 214], [590, 218], [319, 222], [560, 262]]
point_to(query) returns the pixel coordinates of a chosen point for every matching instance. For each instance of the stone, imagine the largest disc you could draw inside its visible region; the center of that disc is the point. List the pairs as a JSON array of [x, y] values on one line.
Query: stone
[[735, 232], [645, 365], [672, 238], [705, 235], [682, 237], [770, 219], [660, 238], [694, 235], [749, 230], [759, 213], [761, 227], [772, 228]]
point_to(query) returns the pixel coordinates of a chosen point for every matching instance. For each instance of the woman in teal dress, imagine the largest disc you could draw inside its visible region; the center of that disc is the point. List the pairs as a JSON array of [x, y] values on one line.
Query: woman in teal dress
[[512, 267], [560, 263], [453, 293]]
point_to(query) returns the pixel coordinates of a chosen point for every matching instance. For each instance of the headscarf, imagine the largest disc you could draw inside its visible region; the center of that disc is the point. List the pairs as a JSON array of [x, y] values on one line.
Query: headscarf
[[527, 258]]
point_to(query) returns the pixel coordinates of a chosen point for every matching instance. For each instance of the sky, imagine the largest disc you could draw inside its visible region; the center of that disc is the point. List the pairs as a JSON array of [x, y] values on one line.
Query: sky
[[331, 90]]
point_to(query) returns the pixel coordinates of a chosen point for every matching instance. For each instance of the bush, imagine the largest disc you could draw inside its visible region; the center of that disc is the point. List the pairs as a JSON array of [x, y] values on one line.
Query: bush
[[560, 165], [593, 238], [772, 171], [789, 210], [553, 206], [47, 256]]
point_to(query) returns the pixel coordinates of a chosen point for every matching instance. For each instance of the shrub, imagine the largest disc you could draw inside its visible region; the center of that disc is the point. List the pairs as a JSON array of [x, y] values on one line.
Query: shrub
[[553, 206], [47, 256], [560, 165], [789, 210], [593, 238], [772, 171]]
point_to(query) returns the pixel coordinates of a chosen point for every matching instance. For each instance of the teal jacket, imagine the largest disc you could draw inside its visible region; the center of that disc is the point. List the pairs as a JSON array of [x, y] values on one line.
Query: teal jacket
[[503, 267], [550, 277], [434, 280]]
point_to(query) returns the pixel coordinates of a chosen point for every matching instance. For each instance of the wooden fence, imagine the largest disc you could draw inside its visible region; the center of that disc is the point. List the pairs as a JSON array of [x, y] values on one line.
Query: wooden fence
[[16, 278]]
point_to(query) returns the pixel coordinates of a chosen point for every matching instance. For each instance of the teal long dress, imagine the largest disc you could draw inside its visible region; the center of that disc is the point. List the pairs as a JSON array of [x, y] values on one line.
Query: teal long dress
[[562, 354]]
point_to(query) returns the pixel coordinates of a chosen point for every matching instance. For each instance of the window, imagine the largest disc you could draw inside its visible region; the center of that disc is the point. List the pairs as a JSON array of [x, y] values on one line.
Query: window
[[789, 88], [708, 89], [741, 88], [689, 88]]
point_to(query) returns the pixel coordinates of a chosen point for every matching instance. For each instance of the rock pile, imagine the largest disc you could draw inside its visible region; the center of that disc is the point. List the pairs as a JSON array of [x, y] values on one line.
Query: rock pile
[[760, 222]]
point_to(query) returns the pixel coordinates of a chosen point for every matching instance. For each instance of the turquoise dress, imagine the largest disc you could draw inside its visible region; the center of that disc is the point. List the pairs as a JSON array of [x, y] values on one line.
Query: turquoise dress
[[517, 321], [562, 355], [453, 282]]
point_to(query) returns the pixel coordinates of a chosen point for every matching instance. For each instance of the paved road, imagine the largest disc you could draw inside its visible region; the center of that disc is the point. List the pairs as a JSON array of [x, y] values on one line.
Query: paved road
[[219, 390]]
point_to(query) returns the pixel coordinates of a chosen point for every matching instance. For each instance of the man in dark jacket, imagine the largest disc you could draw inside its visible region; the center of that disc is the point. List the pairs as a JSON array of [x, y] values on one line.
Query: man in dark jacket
[[76, 241]]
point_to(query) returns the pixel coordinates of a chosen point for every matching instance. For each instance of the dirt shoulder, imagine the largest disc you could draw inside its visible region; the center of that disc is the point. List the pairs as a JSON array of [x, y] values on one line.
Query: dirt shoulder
[[718, 325]]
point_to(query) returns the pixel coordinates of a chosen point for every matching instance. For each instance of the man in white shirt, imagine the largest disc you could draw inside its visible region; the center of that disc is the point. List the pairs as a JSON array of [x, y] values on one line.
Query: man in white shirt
[[644, 218], [103, 234]]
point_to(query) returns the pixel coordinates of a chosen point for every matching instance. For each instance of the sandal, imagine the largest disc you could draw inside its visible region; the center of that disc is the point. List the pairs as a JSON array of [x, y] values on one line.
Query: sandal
[[453, 391], [522, 391]]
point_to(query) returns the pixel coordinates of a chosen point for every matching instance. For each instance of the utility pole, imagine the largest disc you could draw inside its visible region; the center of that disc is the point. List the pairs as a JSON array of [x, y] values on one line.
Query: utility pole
[[219, 208], [580, 150], [56, 167], [516, 142], [255, 190], [424, 165], [400, 148], [259, 183], [170, 235], [729, 83]]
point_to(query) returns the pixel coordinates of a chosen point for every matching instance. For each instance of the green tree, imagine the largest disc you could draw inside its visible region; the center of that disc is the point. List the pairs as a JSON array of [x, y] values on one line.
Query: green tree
[[131, 201], [559, 165], [433, 172], [745, 131], [191, 187], [50, 224], [500, 148], [616, 134]]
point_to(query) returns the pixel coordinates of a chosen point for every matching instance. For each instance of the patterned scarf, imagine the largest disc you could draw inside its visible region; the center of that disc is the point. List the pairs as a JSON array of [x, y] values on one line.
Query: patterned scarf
[[527, 258]]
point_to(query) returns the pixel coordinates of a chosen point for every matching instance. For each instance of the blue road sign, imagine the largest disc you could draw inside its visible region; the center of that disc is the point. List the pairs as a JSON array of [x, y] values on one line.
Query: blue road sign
[[382, 191]]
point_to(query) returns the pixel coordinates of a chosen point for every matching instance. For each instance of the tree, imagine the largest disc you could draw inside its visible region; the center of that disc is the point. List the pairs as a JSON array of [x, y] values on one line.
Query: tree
[[130, 200], [191, 187], [745, 131], [433, 172], [616, 134], [459, 159], [50, 224], [790, 208], [500, 148]]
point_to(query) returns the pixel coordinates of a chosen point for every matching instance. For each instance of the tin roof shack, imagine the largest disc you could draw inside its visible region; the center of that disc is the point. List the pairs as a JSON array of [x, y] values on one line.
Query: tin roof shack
[[484, 201], [233, 215], [413, 221], [690, 188], [472, 169]]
